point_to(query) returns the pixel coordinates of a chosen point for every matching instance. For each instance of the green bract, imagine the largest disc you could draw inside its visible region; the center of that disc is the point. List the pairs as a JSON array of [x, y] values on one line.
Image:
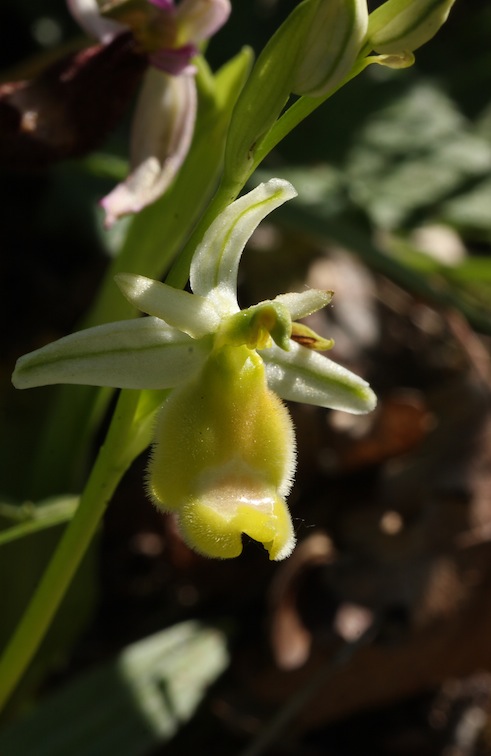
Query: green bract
[[310, 54], [223, 459], [331, 46]]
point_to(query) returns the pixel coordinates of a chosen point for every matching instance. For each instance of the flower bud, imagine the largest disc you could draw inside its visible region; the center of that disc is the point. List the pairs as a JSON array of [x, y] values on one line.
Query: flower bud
[[310, 53], [224, 458], [331, 46], [405, 25], [267, 90]]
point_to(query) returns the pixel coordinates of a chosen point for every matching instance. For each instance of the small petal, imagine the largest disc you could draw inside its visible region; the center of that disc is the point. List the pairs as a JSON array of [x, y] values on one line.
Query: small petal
[[87, 14], [188, 312], [301, 304], [161, 135], [301, 375], [165, 5], [305, 336], [216, 260], [200, 19], [134, 354], [175, 62], [398, 60]]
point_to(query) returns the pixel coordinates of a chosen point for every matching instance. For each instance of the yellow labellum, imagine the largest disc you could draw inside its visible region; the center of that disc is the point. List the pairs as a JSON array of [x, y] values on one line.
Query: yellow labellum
[[224, 458]]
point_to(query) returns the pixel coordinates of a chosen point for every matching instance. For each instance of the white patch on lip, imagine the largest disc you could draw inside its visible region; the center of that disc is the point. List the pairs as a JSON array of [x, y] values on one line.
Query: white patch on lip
[[235, 484]]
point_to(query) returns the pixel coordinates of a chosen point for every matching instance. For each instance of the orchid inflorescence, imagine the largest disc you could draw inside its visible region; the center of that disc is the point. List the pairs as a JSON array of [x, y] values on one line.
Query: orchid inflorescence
[[209, 375]]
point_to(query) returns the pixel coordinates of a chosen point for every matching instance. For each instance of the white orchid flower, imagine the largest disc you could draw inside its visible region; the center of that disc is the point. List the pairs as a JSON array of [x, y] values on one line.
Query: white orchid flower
[[224, 454]]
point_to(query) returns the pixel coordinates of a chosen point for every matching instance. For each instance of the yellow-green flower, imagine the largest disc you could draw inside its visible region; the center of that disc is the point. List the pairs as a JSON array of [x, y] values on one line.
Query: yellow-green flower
[[224, 454]]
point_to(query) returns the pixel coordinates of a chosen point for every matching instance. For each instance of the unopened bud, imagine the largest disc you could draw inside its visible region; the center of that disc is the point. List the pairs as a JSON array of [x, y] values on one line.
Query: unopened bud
[[405, 25], [267, 90], [331, 46], [310, 53]]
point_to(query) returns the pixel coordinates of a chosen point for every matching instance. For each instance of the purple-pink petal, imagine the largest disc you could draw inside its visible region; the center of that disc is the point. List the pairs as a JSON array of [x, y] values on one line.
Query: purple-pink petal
[[165, 5], [175, 62]]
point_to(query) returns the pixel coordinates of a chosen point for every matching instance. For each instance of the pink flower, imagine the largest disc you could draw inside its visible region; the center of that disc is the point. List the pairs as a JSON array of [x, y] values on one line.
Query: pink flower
[[165, 115]]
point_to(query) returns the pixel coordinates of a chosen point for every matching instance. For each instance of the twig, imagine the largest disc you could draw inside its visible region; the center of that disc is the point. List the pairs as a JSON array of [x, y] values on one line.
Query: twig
[[296, 703]]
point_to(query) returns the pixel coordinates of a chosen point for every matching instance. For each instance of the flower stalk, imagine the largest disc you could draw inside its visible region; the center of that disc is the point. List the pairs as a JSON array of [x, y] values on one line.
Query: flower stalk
[[113, 460]]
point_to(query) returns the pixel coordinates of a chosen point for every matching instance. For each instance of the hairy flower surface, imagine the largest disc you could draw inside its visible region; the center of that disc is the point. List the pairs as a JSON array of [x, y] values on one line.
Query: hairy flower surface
[[224, 455], [165, 115]]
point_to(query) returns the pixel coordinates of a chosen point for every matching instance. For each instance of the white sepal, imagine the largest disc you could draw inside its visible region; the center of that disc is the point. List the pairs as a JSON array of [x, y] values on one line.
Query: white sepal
[[188, 312], [216, 260], [301, 375], [136, 354]]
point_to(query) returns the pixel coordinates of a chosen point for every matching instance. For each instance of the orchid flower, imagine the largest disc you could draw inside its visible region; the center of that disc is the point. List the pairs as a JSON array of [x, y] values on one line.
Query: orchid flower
[[224, 453], [166, 110]]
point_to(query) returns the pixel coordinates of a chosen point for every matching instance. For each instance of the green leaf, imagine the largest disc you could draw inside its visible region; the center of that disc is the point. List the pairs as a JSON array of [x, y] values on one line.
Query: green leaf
[[412, 155], [470, 211], [130, 705], [30, 518]]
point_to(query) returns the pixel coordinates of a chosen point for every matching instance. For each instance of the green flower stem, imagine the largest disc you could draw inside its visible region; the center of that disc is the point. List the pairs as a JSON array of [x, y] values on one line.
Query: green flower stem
[[297, 112], [112, 461]]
